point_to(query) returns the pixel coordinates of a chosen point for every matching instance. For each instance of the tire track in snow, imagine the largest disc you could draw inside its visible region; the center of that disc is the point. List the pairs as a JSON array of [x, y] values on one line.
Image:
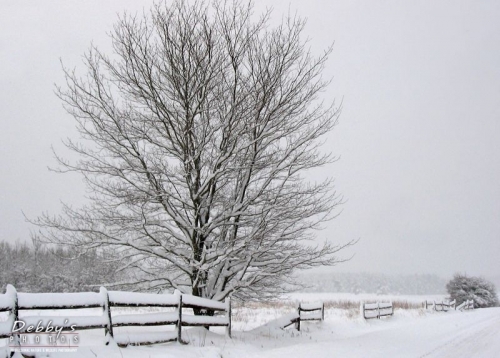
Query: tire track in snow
[[481, 339]]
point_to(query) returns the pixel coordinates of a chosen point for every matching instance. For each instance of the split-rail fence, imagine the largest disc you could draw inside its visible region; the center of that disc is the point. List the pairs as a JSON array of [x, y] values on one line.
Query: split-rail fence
[[14, 302]]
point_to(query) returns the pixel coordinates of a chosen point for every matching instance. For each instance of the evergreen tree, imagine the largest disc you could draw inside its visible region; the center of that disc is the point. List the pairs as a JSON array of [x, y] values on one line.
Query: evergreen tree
[[462, 288]]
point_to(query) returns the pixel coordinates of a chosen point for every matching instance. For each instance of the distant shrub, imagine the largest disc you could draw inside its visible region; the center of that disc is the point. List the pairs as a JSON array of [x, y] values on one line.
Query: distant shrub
[[462, 288]]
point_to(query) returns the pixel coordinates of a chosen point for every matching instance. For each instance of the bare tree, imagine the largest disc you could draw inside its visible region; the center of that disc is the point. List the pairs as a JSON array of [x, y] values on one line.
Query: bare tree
[[196, 133]]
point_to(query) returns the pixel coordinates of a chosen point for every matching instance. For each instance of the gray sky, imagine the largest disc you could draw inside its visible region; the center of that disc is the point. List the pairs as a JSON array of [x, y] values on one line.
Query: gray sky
[[418, 136]]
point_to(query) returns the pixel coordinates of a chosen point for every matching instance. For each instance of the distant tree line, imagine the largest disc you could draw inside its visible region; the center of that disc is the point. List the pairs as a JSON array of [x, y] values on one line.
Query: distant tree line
[[35, 267], [358, 283]]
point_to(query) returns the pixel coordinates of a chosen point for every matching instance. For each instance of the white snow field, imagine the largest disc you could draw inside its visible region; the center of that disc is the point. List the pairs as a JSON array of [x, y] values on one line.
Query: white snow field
[[256, 334]]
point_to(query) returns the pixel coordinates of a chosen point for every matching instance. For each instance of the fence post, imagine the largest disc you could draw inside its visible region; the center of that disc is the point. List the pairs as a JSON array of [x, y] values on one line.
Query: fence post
[[392, 308], [179, 319], [297, 325], [323, 311], [228, 313], [378, 310], [362, 308], [14, 311], [107, 310]]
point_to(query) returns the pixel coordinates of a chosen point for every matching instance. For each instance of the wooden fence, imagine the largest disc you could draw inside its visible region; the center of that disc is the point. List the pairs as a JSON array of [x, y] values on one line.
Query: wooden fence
[[440, 306], [14, 302], [305, 312], [310, 312], [376, 310], [466, 305]]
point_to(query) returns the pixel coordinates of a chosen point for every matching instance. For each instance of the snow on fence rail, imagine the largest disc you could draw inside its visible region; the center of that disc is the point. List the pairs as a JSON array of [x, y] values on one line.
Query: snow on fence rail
[[466, 305], [14, 301], [376, 310], [440, 306], [305, 312]]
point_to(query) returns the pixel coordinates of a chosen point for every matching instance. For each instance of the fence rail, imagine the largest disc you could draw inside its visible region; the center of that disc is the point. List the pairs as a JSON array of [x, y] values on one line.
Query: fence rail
[[305, 312], [13, 302], [466, 305], [310, 312], [376, 310], [443, 306]]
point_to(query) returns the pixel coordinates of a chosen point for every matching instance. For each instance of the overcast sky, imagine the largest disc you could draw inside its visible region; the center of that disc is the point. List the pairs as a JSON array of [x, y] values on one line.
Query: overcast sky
[[418, 136]]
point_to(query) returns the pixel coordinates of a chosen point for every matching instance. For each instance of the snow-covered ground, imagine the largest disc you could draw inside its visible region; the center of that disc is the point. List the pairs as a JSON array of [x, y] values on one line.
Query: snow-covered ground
[[409, 333]]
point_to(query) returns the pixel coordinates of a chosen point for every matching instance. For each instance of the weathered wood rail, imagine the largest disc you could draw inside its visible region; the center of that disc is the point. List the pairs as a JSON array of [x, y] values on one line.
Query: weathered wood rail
[[14, 302], [305, 312], [376, 310], [466, 305], [443, 306]]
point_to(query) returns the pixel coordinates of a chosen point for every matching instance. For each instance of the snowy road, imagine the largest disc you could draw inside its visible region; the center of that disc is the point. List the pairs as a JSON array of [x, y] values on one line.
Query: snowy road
[[454, 334], [479, 339]]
